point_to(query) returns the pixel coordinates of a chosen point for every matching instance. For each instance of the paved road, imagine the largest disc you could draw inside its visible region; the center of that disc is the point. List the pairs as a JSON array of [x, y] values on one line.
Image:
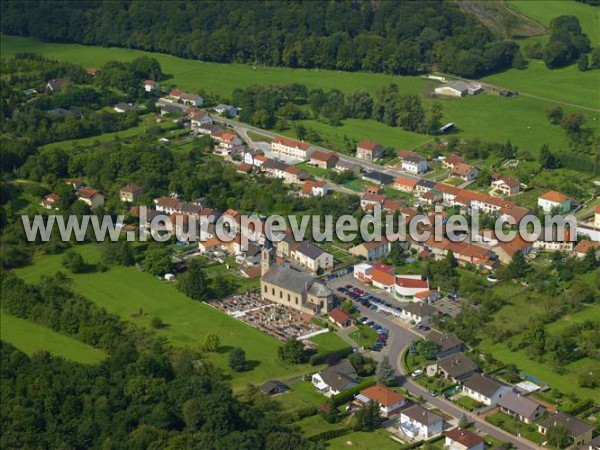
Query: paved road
[[401, 335]]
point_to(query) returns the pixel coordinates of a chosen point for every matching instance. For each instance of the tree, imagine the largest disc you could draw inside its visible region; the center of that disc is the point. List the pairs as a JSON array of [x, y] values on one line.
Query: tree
[[558, 436], [330, 413], [573, 122], [595, 64], [427, 348], [547, 158], [434, 121], [158, 260], [157, 322], [583, 62], [194, 283], [73, 261], [518, 266], [463, 422], [555, 115], [385, 373], [368, 417], [212, 342], [518, 61], [292, 351], [237, 360]]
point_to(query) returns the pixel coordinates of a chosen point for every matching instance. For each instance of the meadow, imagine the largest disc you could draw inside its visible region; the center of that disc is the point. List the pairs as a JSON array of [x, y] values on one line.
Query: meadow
[[126, 291], [491, 118], [31, 338]]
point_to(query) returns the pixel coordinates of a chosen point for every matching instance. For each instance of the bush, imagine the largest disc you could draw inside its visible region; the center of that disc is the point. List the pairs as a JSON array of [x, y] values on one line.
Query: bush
[[321, 358], [347, 395], [329, 434]]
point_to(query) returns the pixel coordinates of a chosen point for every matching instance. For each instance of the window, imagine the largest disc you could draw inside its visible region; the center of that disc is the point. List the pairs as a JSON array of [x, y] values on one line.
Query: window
[[280, 293], [289, 298], [272, 291], [265, 288]]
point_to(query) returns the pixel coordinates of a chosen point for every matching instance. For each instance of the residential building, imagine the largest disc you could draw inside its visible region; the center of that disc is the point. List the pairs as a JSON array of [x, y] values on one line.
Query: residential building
[[451, 161], [379, 178], [484, 390], [323, 160], [175, 94], [171, 108], [314, 188], [595, 443], [382, 279], [418, 312], [226, 110], [522, 408], [447, 343], [412, 162], [150, 85], [369, 151], [453, 89], [409, 285], [57, 84], [91, 197], [578, 430], [293, 288], [506, 185], [130, 193], [372, 250], [369, 201], [191, 99], [406, 184], [49, 201], [167, 205], [92, 71], [554, 200], [343, 166], [597, 217], [389, 401], [335, 379], [199, 118], [290, 148], [250, 155], [455, 367], [279, 169], [273, 387], [583, 247], [424, 186], [420, 423], [244, 168], [123, 107], [461, 439], [428, 297], [226, 139], [341, 318], [465, 172], [312, 257]]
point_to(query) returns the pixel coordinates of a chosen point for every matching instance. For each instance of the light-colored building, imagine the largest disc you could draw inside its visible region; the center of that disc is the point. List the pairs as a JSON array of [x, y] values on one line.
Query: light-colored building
[[191, 99], [484, 390], [335, 379], [454, 89], [409, 285], [130, 193], [578, 430], [49, 201], [340, 318], [323, 160], [597, 217], [292, 288], [150, 85], [419, 312], [406, 184], [455, 367], [506, 185], [369, 151], [199, 118], [554, 200], [390, 402], [465, 172], [314, 188], [226, 139], [93, 198], [420, 423], [412, 162], [371, 250], [522, 408], [291, 148], [312, 257], [461, 439], [226, 110]]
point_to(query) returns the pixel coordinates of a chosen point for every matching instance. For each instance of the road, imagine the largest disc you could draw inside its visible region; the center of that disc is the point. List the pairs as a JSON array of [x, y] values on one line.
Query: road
[[400, 337]]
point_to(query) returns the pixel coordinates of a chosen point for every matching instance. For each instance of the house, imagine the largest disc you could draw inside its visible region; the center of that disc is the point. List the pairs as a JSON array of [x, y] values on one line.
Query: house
[[206, 129], [447, 343], [291, 148], [578, 430], [419, 312], [323, 160], [465, 172], [461, 439], [123, 107], [372, 250], [412, 162], [554, 200], [293, 174], [49, 201], [451, 161], [191, 99], [130, 193], [226, 139], [244, 168], [380, 178], [57, 84], [390, 402], [199, 118], [455, 367], [428, 297], [279, 169], [484, 390], [312, 257], [406, 184], [506, 185], [595, 443], [175, 94], [369, 201], [273, 387], [171, 108], [91, 197], [314, 188], [369, 151], [597, 217], [409, 285], [346, 166], [250, 155], [150, 85], [423, 186], [335, 379], [226, 110], [522, 408], [420, 423], [341, 318], [292, 288], [453, 89], [382, 279], [585, 246], [92, 71]]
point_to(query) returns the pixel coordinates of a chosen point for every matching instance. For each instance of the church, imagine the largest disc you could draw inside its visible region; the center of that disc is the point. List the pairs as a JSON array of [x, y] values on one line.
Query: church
[[291, 287]]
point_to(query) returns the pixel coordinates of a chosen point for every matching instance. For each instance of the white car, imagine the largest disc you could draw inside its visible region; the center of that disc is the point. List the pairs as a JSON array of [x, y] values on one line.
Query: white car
[[417, 373]]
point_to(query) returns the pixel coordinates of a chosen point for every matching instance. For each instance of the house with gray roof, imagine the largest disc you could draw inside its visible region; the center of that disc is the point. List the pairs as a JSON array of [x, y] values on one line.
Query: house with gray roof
[[418, 422], [447, 343], [273, 387], [578, 430], [455, 367], [312, 257], [484, 389], [335, 379], [522, 408]]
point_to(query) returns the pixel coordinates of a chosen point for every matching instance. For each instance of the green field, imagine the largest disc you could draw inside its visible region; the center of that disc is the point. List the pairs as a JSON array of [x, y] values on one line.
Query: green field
[[491, 118], [30, 338], [362, 440], [126, 290]]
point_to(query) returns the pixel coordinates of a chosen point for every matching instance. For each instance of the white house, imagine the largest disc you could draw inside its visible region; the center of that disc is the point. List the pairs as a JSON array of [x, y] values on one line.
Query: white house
[[554, 199], [522, 408], [597, 217], [465, 172], [484, 390], [291, 149], [91, 197], [335, 379], [419, 312], [390, 402], [314, 188], [312, 257], [409, 285], [412, 162], [506, 185], [226, 139], [191, 99], [199, 118], [226, 110], [49, 201], [150, 85], [461, 439], [420, 423]]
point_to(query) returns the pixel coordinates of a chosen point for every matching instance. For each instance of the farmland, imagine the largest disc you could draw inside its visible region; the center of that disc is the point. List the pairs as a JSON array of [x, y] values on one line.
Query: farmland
[[485, 116], [32, 338]]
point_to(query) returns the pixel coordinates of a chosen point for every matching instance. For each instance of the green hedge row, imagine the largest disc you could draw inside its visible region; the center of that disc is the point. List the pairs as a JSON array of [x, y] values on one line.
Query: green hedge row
[[320, 358], [298, 414], [347, 395], [329, 434]]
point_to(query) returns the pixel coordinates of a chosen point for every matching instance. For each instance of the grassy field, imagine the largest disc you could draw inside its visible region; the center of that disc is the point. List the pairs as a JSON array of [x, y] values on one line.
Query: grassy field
[[362, 440], [485, 116], [301, 395], [125, 290], [30, 338]]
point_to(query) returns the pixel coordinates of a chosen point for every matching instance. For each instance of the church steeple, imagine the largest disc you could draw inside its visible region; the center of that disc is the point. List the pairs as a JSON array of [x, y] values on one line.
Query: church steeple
[[266, 257]]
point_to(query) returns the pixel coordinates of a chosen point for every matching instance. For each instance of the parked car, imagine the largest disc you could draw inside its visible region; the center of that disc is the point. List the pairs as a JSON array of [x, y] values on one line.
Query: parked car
[[417, 373]]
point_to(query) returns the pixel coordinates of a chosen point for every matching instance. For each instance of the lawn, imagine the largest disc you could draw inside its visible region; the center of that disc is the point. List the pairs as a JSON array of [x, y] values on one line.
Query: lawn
[[30, 338], [258, 137], [513, 426], [485, 116], [301, 395], [313, 425], [329, 342], [126, 290], [365, 336], [468, 403], [375, 440]]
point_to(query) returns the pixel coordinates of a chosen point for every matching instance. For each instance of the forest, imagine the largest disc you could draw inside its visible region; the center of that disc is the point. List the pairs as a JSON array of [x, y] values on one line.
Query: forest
[[396, 37]]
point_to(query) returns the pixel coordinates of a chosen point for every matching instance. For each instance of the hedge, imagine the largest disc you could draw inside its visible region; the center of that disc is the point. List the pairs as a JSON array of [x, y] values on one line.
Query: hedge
[[578, 407], [320, 358], [298, 414], [329, 434], [411, 446], [347, 395]]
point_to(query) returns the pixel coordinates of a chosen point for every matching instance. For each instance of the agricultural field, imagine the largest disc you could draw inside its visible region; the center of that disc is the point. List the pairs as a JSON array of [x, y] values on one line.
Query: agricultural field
[[491, 118], [31, 338], [126, 291]]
